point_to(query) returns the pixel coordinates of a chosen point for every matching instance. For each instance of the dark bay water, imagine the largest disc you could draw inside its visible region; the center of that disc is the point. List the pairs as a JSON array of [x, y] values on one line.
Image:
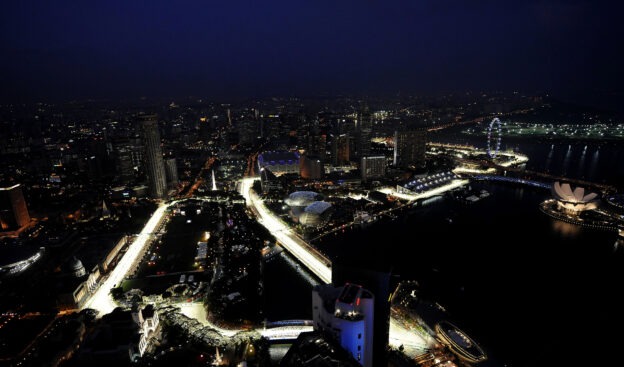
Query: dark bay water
[[532, 290], [588, 160]]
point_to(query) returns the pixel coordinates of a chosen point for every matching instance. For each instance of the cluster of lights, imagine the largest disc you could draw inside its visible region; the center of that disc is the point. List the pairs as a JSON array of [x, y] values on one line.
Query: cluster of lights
[[319, 265], [23, 265], [429, 182], [569, 130]]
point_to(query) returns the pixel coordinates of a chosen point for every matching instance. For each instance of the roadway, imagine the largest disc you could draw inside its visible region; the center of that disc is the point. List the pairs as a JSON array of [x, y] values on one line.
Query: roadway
[[453, 184], [308, 256], [102, 300], [197, 311], [199, 179], [413, 343]]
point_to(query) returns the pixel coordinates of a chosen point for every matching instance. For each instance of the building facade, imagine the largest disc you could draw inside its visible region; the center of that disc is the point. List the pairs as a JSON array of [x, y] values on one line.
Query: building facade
[[409, 148], [13, 210], [171, 170], [364, 133], [340, 149], [279, 162], [372, 167], [311, 167], [154, 163], [346, 313]]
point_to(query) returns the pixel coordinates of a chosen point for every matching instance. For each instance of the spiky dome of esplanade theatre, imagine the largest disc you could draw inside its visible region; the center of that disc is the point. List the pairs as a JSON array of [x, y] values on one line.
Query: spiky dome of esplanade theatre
[[574, 201]]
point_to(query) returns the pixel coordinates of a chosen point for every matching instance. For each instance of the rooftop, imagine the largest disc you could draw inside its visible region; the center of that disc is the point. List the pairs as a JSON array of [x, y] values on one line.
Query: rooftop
[[278, 157]]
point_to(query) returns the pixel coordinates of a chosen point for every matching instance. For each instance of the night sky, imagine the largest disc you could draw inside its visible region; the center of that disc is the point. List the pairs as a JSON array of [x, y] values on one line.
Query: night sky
[[53, 50]]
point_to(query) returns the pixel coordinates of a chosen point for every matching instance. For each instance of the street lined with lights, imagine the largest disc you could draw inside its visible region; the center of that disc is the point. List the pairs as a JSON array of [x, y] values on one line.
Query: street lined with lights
[[102, 300], [454, 184], [315, 262]]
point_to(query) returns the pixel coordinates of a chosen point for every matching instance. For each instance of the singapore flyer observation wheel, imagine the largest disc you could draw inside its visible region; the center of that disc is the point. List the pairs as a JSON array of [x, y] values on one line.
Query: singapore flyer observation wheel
[[494, 138]]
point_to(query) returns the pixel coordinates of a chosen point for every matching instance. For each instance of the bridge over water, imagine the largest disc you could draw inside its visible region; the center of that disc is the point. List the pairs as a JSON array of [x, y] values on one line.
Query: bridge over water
[[286, 332], [516, 180], [551, 177]]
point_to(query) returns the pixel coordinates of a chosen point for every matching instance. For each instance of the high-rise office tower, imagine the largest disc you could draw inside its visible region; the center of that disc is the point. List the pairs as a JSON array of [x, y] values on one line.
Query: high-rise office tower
[[98, 162], [373, 167], [171, 168], [206, 127], [340, 149], [128, 153], [247, 131], [409, 148], [154, 163], [311, 167], [124, 168], [316, 139], [13, 210], [364, 132]]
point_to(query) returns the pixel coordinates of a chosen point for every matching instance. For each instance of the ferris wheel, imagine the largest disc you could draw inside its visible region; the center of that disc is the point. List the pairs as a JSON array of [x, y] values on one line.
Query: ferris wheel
[[494, 138]]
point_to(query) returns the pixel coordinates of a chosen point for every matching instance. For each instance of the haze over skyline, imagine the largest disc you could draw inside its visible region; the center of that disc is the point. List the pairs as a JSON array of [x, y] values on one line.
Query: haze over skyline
[[64, 50]]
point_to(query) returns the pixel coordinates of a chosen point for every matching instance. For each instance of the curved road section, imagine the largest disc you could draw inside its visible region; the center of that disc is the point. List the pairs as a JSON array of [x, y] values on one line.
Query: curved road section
[[308, 256]]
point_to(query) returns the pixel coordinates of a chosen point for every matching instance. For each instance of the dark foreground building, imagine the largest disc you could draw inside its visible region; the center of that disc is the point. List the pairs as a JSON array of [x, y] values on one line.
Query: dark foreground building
[[314, 349]]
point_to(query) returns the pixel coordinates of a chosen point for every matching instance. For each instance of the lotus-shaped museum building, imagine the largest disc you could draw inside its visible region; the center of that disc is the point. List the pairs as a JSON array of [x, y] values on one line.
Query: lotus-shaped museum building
[[574, 201]]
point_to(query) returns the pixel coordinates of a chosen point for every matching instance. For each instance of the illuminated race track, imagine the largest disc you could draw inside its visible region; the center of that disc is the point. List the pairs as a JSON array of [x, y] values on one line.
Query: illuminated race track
[[278, 330], [414, 343], [285, 332], [314, 261], [427, 194], [101, 299]]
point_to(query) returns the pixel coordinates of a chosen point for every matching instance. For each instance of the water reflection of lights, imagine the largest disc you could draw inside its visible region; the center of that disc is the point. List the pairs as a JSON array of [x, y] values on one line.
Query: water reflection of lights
[[566, 229]]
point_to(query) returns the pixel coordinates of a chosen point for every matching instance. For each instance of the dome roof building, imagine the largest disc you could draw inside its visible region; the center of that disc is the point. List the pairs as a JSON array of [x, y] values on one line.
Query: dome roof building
[[76, 268], [315, 213], [308, 207], [302, 198]]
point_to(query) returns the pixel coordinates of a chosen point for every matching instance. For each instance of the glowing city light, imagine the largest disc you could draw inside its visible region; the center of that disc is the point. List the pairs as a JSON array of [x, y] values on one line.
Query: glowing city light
[[286, 237]]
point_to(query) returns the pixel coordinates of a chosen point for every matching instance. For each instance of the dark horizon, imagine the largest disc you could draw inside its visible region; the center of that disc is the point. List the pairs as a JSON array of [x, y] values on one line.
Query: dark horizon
[[63, 51]]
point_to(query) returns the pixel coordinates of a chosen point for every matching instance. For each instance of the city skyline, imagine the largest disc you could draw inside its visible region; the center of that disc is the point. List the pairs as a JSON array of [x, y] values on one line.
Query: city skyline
[[354, 183], [221, 220]]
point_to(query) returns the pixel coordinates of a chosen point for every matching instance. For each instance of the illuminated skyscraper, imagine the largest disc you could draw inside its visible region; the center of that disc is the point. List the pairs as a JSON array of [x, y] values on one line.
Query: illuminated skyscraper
[[316, 139], [171, 169], [154, 163], [373, 167], [13, 211], [311, 167], [340, 149], [364, 132], [409, 148]]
